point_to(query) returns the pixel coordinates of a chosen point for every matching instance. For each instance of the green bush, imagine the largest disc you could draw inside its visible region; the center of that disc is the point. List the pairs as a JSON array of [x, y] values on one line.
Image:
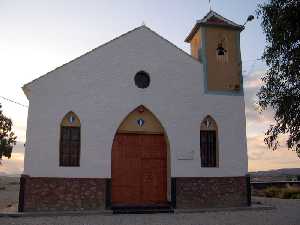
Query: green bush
[[290, 193], [286, 193], [272, 192]]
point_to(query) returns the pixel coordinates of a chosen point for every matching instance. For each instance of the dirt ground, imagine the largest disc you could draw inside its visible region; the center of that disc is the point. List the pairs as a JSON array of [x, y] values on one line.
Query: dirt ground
[[9, 194]]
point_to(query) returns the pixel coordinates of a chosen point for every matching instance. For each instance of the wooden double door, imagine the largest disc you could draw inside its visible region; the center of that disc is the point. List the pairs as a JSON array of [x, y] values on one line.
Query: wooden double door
[[139, 170]]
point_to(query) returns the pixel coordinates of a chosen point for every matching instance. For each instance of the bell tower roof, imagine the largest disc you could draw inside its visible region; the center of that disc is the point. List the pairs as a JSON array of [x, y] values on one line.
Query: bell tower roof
[[213, 19]]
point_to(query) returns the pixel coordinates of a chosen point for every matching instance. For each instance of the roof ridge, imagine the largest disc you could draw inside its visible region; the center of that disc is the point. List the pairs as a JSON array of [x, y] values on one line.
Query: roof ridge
[[203, 21], [25, 86], [172, 44], [214, 13]]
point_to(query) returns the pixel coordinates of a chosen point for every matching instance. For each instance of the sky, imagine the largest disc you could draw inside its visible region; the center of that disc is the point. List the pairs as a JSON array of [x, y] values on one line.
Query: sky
[[38, 36]]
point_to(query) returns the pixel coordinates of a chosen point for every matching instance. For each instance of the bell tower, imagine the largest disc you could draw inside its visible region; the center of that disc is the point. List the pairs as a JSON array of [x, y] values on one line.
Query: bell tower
[[215, 42]]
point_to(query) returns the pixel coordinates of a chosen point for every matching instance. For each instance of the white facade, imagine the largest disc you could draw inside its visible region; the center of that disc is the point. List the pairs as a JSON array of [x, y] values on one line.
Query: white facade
[[99, 87]]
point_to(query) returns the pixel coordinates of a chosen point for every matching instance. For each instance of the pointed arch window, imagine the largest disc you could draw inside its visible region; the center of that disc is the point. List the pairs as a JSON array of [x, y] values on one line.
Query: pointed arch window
[[208, 143], [69, 147]]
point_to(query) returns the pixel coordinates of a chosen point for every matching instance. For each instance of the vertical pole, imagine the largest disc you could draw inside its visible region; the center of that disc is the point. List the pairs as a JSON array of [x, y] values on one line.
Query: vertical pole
[[248, 189], [173, 192], [108, 194], [21, 193]]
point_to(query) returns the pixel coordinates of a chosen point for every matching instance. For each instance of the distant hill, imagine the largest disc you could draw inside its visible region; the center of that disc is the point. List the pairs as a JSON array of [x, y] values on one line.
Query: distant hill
[[290, 171], [276, 175], [4, 174]]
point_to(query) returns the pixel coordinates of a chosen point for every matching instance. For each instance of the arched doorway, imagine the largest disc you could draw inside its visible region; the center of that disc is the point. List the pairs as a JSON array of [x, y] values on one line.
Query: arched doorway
[[139, 161]]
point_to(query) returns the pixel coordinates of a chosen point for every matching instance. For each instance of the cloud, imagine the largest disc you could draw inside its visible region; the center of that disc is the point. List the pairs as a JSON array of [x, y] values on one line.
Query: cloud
[[253, 82], [15, 164], [257, 122], [260, 157]]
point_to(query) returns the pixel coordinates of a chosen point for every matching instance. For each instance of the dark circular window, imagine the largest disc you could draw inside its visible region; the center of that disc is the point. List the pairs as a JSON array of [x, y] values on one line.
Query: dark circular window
[[142, 79]]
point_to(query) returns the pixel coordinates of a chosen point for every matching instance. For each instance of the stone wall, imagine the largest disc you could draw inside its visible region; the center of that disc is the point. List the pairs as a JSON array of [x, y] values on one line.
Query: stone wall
[[55, 194], [207, 192], [52, 194]]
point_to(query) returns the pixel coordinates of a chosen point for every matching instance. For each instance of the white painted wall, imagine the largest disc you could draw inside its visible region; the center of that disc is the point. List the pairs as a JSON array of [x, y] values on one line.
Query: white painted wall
[[100, 89]]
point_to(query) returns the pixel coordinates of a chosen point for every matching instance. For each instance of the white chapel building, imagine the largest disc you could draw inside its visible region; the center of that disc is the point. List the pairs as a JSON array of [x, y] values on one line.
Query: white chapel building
[[138, 123]]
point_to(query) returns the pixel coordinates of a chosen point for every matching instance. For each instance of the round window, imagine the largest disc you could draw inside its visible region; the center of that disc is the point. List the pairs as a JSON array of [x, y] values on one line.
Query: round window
[[142, 79]]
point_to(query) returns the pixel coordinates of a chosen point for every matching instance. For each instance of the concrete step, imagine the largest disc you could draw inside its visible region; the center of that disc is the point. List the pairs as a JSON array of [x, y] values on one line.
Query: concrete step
[[142, 210]]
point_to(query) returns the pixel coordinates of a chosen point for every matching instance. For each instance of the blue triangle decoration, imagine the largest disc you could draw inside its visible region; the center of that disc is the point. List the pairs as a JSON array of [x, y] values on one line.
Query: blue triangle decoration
[[140, 122]]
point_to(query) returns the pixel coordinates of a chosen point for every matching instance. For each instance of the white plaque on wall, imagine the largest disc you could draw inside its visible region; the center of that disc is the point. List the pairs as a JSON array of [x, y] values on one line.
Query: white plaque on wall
[[186, 155]]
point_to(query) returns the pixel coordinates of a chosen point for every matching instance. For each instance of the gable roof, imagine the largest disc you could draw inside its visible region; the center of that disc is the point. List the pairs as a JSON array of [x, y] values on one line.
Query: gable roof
[[213, 19], [26, 88]]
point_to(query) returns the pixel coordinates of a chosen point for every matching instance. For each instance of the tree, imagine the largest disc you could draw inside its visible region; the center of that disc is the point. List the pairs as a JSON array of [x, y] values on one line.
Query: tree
[[281, 83], [7, 137]]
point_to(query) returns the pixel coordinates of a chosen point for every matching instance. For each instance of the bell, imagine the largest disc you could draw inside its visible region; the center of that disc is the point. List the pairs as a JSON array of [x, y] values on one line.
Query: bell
[[221, 50]]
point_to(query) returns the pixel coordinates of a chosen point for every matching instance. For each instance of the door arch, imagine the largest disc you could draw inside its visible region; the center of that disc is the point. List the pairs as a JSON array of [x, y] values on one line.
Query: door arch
[[140, 161]]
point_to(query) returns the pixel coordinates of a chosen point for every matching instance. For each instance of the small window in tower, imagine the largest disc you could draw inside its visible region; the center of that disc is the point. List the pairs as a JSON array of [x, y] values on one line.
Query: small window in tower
[[221, 51]]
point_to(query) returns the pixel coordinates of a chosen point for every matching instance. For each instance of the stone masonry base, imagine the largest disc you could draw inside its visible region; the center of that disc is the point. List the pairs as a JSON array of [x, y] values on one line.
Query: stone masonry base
[[208, 192], [53, 194], [71, 194]]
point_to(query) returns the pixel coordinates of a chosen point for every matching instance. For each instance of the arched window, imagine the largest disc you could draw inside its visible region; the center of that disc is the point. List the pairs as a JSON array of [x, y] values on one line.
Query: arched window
[[208, 142], [69, 147]]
